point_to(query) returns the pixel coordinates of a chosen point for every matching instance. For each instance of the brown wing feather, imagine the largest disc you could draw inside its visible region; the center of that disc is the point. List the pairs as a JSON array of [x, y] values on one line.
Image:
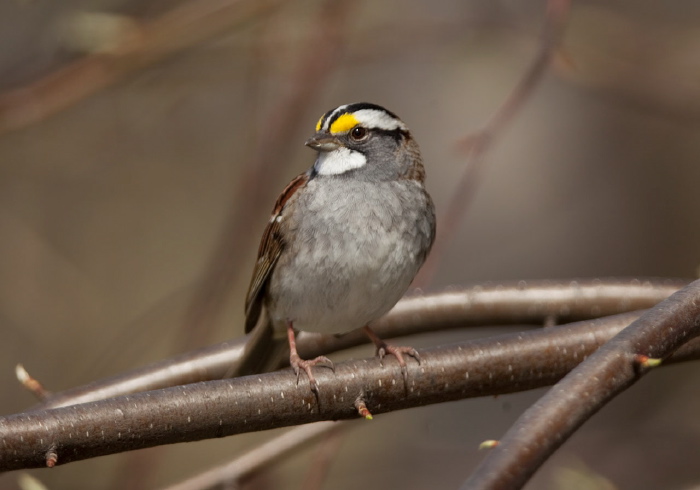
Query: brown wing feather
[[271, 247]]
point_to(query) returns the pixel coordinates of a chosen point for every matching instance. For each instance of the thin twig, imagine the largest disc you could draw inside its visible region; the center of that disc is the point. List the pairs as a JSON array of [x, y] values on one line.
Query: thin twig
[[152, 41], [318, 60], [259, 457], [326, 452], [31, 384], [477, 144]]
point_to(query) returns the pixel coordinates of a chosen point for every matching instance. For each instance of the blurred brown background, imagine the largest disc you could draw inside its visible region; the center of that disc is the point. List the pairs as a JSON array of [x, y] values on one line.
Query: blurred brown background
[[116, 214]]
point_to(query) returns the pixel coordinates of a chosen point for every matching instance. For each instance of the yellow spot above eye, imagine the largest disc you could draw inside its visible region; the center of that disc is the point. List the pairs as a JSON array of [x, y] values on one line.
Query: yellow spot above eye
[[318, 124], [344, 123]]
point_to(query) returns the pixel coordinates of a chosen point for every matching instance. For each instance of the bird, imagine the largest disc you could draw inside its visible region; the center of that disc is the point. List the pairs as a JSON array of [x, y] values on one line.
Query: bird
[[345, 239]]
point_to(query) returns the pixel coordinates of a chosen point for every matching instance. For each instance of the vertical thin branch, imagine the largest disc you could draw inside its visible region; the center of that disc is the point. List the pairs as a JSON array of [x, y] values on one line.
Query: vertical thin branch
[[319, 57], [325, 454], [478, 143]]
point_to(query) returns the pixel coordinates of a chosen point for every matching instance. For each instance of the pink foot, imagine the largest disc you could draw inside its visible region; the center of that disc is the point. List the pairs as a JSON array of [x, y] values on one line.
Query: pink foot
[[384, 349], [299, 364]]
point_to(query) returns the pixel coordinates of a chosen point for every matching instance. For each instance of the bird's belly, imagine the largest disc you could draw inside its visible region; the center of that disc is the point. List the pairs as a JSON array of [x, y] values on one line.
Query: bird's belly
[[337, 285]]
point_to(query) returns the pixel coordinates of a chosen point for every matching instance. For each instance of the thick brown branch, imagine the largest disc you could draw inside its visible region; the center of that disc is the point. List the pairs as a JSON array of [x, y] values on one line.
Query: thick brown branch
[[502, 364], [506, 303], [608, 372]]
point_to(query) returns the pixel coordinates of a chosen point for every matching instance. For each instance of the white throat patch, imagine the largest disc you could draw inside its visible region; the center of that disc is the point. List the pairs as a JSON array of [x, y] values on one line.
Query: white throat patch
[[339, 161]]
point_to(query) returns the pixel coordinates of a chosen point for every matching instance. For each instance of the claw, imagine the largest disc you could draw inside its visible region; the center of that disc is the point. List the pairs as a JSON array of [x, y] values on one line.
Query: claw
[[384, 349], [398, 352], [299, 364]]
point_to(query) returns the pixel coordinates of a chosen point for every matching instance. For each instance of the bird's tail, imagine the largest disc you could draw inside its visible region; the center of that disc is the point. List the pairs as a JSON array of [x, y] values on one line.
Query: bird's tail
[[264, 351]]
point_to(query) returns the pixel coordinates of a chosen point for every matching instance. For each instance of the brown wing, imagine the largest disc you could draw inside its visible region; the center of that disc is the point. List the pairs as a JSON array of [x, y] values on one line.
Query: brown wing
[[271, 247]]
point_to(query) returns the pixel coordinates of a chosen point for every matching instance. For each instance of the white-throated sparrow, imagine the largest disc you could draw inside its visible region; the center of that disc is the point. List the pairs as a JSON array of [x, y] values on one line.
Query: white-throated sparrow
[[345, 239]]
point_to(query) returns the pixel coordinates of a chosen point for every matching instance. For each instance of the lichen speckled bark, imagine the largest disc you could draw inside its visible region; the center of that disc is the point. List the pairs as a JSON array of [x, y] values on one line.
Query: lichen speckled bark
[[501, 364]]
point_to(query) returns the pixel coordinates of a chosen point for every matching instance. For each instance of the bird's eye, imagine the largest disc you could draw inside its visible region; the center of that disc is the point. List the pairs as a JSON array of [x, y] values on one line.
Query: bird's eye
[[359, 133]]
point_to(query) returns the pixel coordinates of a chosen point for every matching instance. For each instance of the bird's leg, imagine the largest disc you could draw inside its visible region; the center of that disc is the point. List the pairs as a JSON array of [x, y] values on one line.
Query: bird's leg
[[299, 364], [398, 352]]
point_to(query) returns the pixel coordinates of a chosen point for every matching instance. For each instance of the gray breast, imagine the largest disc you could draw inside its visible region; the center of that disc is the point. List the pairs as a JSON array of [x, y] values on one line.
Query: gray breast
[[352, 250]]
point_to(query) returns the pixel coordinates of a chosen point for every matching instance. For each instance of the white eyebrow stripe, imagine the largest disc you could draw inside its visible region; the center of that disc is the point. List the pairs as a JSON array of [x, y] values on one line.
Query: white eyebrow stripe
[[373, 118], [327, 122]]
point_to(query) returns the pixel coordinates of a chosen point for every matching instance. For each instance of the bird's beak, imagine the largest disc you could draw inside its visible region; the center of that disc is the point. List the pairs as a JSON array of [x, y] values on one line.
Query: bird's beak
[[321, 142]]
